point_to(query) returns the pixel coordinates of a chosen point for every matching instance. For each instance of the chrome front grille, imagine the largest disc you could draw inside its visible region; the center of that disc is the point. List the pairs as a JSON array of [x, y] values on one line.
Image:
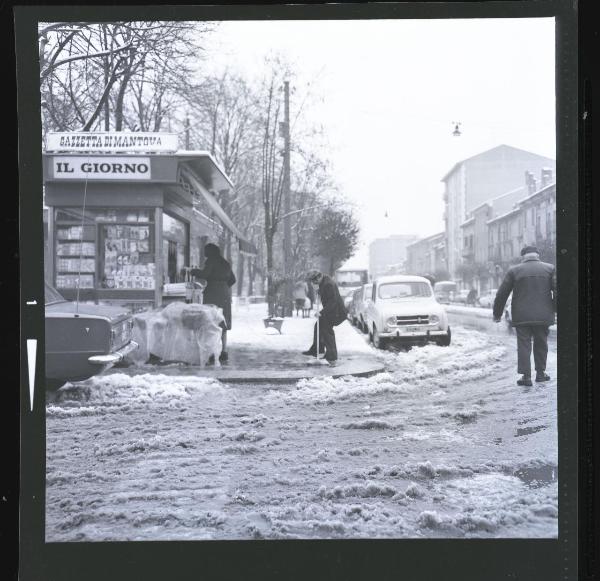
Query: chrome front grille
[[413, 320]]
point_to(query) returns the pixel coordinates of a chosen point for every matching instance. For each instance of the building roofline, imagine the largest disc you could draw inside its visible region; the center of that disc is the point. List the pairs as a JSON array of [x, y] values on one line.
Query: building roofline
[[505, 215], [431, 237], [536, 193], [455, 166]]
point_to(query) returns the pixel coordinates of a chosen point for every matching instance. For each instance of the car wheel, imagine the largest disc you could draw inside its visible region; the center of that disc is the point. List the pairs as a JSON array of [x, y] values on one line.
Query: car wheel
[[378, 342], [445, 341], [54, 384]]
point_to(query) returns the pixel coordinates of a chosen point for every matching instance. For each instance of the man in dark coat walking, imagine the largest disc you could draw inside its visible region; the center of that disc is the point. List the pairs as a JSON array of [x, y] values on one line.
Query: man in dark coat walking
[[332, 314], [533, 285], [219, 280]]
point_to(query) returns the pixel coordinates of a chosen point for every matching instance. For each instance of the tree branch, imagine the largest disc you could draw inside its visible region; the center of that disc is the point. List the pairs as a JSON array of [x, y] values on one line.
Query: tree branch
[[50, 68]]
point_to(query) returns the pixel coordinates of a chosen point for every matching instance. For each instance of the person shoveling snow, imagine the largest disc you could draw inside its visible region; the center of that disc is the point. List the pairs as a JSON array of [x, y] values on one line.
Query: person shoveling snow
[[332, 314]]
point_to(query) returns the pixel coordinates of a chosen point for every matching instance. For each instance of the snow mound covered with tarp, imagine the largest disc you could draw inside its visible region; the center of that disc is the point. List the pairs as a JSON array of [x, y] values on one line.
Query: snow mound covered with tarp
[[188, 333]]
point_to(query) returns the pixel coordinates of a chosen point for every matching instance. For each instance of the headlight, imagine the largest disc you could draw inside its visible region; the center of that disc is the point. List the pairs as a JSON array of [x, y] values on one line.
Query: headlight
[[434, 319], [391, 321]]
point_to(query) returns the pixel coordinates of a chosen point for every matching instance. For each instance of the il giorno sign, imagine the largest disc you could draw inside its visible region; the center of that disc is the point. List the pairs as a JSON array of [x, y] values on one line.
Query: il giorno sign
[[115, 141], [101, 167]]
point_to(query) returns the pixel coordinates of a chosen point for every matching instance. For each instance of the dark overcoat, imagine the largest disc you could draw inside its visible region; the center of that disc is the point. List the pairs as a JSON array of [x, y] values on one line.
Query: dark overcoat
[[334, 310], [533, 285], [219, 280]]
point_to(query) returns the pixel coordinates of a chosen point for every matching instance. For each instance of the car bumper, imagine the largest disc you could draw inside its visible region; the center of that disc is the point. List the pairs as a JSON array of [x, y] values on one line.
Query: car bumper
[[419, 334], [115, 357]]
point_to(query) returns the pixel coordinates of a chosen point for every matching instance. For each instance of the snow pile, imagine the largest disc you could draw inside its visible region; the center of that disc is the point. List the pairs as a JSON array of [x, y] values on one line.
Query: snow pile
[[326, 389], [368, 490], [180, 332], [368, 425], [118, 389], [472, 354]]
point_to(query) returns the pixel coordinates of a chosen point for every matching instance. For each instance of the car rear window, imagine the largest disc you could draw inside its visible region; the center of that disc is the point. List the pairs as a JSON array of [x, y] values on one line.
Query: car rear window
[[51, 295], [400, 290]]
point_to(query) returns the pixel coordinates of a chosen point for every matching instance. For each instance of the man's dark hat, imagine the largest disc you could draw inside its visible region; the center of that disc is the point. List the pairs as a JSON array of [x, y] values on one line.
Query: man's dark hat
[[313, 275], [529, 250]]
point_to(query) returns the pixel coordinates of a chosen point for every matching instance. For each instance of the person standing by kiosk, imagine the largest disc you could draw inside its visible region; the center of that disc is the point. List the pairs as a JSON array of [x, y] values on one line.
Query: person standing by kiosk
[[219, 280]]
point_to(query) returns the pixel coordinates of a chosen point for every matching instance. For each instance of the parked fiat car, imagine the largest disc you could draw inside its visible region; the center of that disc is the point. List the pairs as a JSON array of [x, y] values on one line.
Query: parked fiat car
[[403, 309], [352, 306], [83, 340], [487, 298], [444, 291], [361, 307], [460, 296]]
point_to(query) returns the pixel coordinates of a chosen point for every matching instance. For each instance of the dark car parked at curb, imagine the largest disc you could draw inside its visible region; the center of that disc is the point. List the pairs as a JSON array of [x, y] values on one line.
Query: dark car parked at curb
[[83, 340]]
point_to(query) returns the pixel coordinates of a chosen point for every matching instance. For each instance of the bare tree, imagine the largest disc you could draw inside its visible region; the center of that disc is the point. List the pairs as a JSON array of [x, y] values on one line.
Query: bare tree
[[335, 236], [116, 70]]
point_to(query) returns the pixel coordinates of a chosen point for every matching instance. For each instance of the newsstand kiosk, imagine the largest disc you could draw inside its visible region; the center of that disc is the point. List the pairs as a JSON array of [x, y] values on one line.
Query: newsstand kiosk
[[126, 211]]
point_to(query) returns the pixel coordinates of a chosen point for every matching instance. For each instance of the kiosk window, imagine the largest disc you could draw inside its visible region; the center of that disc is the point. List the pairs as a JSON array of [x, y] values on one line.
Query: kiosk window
[[105, 248], [128, 256], [175, 247], [75, 249]]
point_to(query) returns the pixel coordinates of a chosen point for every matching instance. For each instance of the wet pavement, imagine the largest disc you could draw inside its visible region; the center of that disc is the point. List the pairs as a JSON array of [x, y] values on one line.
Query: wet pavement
[[251, 365]]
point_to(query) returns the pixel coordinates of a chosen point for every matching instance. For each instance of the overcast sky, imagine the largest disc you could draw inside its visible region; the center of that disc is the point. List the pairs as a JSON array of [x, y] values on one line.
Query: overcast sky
[[387, 91]]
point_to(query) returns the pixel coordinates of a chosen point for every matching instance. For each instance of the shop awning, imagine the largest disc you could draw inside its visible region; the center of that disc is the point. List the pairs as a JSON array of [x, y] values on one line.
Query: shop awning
[[244, 244], [204, 166]]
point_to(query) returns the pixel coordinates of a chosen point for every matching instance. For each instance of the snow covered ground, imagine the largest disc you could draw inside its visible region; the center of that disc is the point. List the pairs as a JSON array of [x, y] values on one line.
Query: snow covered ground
[[443, 444]]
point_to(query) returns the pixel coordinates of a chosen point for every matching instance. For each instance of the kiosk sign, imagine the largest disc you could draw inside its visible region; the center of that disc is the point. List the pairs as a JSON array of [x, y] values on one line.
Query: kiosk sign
[[101, 167], [112, 142]]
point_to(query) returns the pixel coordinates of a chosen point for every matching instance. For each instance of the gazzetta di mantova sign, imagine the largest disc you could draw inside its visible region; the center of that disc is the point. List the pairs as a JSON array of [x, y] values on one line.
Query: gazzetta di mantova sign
[[115, 142], [101, 167]]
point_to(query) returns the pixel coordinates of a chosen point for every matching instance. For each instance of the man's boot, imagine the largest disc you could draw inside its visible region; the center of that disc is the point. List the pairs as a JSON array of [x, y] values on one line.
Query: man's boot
[[542, 376], [525, 380]]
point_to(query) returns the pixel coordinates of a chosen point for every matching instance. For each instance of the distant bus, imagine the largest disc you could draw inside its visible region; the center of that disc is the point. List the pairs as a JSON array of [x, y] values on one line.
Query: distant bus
[[349, 280]]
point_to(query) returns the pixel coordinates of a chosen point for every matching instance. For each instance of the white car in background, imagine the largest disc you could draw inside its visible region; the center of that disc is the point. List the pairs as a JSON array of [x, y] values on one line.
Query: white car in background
[[362, 306], [487, 298], [403, 309]]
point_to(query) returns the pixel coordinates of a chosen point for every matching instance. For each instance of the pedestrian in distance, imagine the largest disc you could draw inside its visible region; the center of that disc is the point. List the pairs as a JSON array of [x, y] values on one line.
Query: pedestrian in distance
[[219, 280], [300, 296], [472, 297], [333, 313], [533, 308], [311, 295]]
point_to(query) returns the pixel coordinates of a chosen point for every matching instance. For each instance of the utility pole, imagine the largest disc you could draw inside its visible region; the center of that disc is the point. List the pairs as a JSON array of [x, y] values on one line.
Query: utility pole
[[187, 132], [287, 225]]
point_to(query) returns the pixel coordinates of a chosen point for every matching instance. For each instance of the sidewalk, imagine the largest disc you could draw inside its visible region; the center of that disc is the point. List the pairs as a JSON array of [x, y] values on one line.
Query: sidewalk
[[259, 354]]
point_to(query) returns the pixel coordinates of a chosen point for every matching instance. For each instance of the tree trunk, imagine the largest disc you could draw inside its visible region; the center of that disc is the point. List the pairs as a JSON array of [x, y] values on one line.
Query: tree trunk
[[106, 66], [106, 103], [120, 103], [270, 289], [250, 276], [240, 274]]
